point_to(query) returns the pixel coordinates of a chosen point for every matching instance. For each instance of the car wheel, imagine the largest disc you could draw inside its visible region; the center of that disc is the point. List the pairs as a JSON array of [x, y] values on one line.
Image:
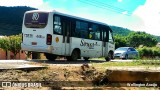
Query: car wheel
[[109, 57], [126, 57]]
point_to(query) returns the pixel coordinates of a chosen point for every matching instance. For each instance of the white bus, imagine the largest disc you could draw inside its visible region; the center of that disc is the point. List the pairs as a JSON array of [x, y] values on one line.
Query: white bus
[[58, 34]]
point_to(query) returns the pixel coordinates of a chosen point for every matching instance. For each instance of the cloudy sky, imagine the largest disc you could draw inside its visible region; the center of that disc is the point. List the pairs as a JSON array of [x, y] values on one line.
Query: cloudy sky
[[137, 15]]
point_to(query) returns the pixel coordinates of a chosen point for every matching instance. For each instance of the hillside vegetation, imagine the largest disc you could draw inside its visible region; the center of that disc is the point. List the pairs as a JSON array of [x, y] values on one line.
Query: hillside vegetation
[[11, 19], [11, 22], [125, 32], [120, 30]]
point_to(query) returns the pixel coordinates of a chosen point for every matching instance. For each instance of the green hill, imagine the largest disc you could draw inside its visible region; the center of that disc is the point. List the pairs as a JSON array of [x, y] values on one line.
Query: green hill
[[120, 30], [11, 21], [124, 31]]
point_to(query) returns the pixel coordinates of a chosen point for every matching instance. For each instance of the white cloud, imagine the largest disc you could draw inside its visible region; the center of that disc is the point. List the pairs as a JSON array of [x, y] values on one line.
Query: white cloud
[[32, 3], [125, 12], [119, 0], [150, 14], [45, 6]]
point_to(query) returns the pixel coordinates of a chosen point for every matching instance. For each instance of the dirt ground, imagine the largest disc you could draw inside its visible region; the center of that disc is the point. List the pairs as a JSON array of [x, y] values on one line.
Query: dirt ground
[[60, 77]]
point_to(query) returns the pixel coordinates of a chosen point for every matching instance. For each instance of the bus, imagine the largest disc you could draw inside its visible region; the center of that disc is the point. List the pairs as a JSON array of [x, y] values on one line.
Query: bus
[[57, 34]]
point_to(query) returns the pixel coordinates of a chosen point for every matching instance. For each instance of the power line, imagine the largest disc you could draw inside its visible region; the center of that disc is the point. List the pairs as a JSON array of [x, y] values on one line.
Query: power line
[[110, 6], [105, 6]]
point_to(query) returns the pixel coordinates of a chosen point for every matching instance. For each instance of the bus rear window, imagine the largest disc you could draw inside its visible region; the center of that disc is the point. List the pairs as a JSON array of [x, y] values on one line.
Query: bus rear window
[[36, 20]]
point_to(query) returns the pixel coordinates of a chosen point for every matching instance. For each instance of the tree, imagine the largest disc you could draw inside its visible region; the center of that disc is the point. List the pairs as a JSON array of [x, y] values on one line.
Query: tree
[[15, 44], [135, 39], [120, 41], [11, 43], [4, 44]]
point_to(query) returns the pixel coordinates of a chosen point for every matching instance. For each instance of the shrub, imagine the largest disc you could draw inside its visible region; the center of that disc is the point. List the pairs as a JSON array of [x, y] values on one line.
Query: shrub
[[11, 43], [149, 52]]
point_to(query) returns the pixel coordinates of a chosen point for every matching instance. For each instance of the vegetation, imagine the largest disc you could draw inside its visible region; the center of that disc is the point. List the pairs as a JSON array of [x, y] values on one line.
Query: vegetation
[[135, 39], [125, 32], [11, 43], [11, 24], [120, 41], [4, 44], [149, 52], [15, 44], [124, 37], [145, 63], [120, 31], [11, 19]]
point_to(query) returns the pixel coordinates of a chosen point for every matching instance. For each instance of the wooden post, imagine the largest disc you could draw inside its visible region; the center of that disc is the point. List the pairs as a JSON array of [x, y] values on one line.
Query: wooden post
[[7, 55]]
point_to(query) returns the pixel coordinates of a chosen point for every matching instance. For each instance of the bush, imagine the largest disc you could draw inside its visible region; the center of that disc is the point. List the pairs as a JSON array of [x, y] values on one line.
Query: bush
[[149, 52], [11, 43]]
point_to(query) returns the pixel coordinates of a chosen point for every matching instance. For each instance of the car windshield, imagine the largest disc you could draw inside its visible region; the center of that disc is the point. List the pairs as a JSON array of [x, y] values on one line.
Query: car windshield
[[121, 49]]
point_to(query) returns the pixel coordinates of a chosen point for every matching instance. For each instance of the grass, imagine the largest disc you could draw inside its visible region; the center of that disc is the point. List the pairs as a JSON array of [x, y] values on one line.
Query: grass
[[134, 63]]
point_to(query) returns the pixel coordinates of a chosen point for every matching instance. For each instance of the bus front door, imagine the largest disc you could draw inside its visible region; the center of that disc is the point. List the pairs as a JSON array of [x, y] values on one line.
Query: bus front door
[[104, 48], [66, 37]]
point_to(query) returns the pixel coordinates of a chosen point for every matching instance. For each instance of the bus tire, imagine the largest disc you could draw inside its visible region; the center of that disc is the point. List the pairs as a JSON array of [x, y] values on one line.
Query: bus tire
[[75, 55], [109, 57], [86, 58], [68, 58], [50, 56]]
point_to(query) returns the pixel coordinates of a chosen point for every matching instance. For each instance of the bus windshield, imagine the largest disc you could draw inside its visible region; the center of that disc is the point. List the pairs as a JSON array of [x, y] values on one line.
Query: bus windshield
[[36, 20]]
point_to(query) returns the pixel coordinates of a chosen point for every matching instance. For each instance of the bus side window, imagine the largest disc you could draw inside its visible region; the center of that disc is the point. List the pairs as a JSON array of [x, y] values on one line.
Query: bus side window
[[104, 35], [95, 32], [57, 25], [81, 30], [73, 28], [77, 29]]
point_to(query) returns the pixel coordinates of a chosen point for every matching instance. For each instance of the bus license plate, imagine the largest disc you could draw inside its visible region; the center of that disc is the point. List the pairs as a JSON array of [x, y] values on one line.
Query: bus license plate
[[34, 43]]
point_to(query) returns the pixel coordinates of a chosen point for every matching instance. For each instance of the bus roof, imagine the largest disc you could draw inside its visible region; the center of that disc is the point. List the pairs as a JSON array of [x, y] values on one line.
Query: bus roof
[[68, 15]]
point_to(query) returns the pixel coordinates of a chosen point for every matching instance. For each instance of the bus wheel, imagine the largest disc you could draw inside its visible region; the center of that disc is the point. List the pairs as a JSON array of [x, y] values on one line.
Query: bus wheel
[[68, 58], [86, 58], [109, 57], [75, 55], [50, 56]]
